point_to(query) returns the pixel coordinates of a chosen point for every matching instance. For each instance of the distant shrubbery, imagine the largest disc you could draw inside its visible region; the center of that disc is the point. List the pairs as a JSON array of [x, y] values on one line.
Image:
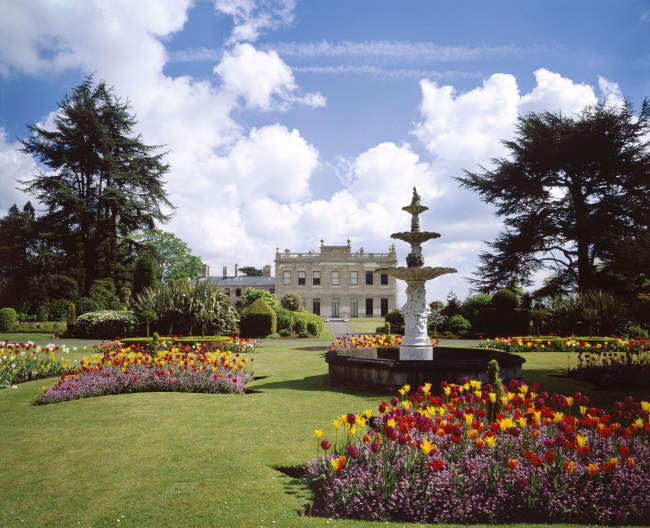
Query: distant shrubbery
[[7, 319], [105, 324]]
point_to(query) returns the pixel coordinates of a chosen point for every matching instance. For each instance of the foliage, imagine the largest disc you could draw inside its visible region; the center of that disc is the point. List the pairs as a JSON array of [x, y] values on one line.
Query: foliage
[[86, 304], [285, 317], [104, 324], [569, 190], [251, 271], [396, 321], [458, 325], [291, 302], [8, 318], [204, 368], [300, 326], [103, 292], [143, 275], [172, 258], [258, 320], [102, 182], [60, 309], [41, 289], [312, 328], [252, 294], [453, 306], [601, 312], [284, 332], [186, 307], [453, 459], [504, 301], [20, 362]]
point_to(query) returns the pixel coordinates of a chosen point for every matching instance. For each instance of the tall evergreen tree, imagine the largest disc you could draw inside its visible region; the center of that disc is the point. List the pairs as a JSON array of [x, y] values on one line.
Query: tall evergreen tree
[[103, 182], [569, 190]]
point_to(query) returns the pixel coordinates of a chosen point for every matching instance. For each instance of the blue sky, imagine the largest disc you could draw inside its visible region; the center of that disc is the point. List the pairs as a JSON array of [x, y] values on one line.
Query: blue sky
[[289, 121]]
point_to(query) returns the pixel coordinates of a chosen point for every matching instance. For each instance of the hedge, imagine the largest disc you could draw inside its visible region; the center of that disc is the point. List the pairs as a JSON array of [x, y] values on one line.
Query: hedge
[[185, 340], [258, 320], [104, 324], [284, 320]]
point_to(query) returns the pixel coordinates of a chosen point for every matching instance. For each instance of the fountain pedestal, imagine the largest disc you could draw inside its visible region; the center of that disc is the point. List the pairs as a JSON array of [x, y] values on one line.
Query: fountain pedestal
[[416, 344]]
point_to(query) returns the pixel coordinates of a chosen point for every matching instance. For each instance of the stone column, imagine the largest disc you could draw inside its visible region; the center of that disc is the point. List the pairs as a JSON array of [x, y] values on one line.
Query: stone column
[[415, 345]]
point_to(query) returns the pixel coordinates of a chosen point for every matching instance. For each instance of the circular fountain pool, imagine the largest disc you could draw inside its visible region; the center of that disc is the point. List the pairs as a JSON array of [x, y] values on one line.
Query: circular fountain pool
[[381, 368]]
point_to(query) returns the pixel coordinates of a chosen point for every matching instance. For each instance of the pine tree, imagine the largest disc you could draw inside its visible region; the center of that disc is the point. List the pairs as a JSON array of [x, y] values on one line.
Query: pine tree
[[102, 181]]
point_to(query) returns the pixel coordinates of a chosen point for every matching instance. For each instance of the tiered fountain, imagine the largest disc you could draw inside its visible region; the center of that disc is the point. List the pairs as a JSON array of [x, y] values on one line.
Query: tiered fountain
[[414, 362]]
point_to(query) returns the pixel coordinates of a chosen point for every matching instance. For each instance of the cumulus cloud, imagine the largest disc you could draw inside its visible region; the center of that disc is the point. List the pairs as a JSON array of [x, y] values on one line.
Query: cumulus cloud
[[14, 166], [262, 79], [252, 17], [611, 92]]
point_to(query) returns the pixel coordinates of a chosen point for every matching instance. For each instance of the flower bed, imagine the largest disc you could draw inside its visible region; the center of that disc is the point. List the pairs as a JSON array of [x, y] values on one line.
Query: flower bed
[[20, 362], [367, 341], [473, 456], [567, 344], [206, 368]]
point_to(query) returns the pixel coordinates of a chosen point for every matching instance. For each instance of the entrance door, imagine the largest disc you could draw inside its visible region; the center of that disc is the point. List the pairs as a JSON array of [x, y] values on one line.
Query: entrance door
[[369, 307], [354, 308], [335, 307], [315, 306], [384, 307]]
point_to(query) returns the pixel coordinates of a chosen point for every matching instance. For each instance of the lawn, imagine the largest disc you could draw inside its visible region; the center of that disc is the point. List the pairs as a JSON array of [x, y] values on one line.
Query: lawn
[[171, 459], [26, 336], [364, 325]]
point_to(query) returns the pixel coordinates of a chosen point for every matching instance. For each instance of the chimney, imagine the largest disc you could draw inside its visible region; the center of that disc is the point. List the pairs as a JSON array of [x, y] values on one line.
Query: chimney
[[266, 271], [225, 271], [206, 271], [236, 268]]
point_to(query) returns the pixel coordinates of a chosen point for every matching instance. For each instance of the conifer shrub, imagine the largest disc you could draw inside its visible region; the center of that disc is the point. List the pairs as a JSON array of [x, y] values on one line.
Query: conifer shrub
[[8, 318], [258, 320]]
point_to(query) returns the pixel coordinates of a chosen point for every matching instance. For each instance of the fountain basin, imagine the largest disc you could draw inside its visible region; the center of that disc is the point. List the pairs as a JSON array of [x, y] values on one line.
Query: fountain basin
[[380, 368], [416, 274]]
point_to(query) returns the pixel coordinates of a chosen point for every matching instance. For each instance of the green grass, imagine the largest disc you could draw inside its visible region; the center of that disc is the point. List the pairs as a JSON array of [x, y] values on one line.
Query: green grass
[[365, 325], [25, 336], [191, 460], [325, 335]]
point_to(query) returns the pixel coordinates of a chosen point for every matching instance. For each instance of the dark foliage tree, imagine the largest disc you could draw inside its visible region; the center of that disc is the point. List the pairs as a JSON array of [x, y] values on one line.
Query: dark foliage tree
[[17, 241], [251, 271], [570, 188], [101, 181], [144, 275]]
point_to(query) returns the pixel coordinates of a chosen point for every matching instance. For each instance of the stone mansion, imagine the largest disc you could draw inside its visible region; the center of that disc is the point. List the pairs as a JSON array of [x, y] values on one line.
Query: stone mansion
[[333, 283]]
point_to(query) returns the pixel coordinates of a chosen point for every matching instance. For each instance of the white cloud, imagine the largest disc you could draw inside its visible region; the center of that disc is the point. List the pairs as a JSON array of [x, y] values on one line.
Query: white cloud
[[14, 166], [466, 129], [399, 50], [252, 17], [262, 79], [390, 73], [611, 92]]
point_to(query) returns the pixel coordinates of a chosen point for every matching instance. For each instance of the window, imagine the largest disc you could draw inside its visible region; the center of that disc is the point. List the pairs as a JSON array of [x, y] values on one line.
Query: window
[[315, 305], [286, 277], [301, 278], [316, 280], [368, 306], [384, 279], [335, 307], [354, 307], [354, 278], [384, 307], [238, 292], [335, 278], [369, 275]]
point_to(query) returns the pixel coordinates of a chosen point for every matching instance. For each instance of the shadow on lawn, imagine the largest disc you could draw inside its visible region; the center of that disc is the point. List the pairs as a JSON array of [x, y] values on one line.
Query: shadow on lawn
[[316, 383]]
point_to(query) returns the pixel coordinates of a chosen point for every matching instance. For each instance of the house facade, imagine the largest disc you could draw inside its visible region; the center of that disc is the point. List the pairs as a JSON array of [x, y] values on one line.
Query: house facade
[[336, 282], [235, 285]]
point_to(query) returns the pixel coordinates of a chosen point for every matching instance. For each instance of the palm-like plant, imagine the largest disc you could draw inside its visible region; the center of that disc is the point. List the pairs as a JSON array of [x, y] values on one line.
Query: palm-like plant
[[183, 306]]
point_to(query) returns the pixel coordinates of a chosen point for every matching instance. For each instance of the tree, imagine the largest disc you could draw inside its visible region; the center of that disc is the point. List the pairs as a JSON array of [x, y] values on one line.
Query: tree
[[143, 275], [252, 294], [103, 182], [250, 271], [173, 259], [293, 303], [570, 188]]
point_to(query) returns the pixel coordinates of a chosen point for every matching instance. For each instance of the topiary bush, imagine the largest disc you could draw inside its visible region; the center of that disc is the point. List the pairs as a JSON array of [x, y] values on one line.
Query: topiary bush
[[59, 309], [86, 304], [458, 325], [300, 326], [284, 320], [258, 320], [104, 324], [312, 328], [8, 317], [284, 332], [396, 321]]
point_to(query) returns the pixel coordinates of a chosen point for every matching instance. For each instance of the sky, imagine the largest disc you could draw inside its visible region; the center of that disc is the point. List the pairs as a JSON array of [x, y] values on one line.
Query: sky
[[289, 121]]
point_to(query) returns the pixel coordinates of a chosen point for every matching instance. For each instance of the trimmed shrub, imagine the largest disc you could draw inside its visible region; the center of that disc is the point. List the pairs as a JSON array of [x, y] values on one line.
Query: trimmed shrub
[[312, 328], [303, 334], [8, 318], [258, 320], [59, 309], [504, 301], [104, 324], [86, 304], [284, 332], [284, 320], [396, 321], [300, 326], [458, 325]]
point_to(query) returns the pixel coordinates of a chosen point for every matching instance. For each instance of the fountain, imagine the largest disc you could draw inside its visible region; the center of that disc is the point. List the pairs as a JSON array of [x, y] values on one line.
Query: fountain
[[415, 345], [414, 362]]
